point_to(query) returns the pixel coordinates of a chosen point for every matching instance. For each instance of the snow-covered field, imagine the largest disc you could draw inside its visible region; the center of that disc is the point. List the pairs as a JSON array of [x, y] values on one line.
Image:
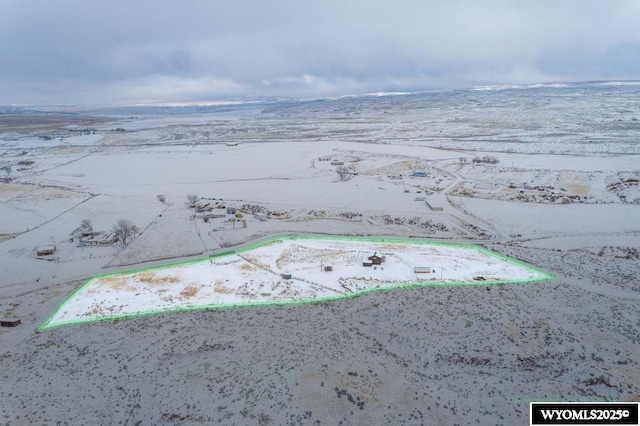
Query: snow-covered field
[[563, 197], [288, 271]]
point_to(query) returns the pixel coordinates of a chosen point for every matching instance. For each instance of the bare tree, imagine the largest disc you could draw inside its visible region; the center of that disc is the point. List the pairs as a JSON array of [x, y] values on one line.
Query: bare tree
[[124, 230], [343, 172], [162, 198], [86, 226], [192, 200]]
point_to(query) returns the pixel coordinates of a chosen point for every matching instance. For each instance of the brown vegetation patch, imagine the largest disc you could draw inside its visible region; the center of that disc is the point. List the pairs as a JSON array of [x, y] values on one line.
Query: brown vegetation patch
[[116, 283], [11, 187], [93, 312], [221, 288], [255, 262], [359, 389], [189, 291], [154, 279], [579, 186], [395, 168]]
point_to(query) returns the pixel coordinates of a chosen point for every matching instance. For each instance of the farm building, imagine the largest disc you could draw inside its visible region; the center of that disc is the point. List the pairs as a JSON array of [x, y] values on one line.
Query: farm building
[[285, 276], [260, 217], [337, 163], [9, 322], [376, 259], [418, 173], [433, 206], [422, 269], [328, 268], [99, 239], [46, 250]]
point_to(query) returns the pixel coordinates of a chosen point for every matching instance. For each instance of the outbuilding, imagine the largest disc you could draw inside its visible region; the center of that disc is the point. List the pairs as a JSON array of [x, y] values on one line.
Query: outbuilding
[[46, 250], [376, 259], [99, 239], [10, 322]]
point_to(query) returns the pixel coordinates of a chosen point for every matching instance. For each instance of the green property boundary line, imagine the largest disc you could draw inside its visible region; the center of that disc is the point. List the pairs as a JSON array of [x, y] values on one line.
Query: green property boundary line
[[543, 276]]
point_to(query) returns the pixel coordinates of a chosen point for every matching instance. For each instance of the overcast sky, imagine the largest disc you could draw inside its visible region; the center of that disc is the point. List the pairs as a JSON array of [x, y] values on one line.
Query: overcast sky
[[134, 51]]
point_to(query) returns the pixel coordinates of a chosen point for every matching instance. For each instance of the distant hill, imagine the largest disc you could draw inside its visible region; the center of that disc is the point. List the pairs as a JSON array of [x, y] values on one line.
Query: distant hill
[[13, 110]]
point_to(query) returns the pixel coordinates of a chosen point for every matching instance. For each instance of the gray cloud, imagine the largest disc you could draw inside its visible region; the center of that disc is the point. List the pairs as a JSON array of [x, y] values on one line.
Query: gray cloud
[[135, 51]]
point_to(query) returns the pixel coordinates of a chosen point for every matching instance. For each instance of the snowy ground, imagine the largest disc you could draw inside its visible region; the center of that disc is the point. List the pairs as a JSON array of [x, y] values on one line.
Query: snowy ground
[[287, 271], [441, 354]]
